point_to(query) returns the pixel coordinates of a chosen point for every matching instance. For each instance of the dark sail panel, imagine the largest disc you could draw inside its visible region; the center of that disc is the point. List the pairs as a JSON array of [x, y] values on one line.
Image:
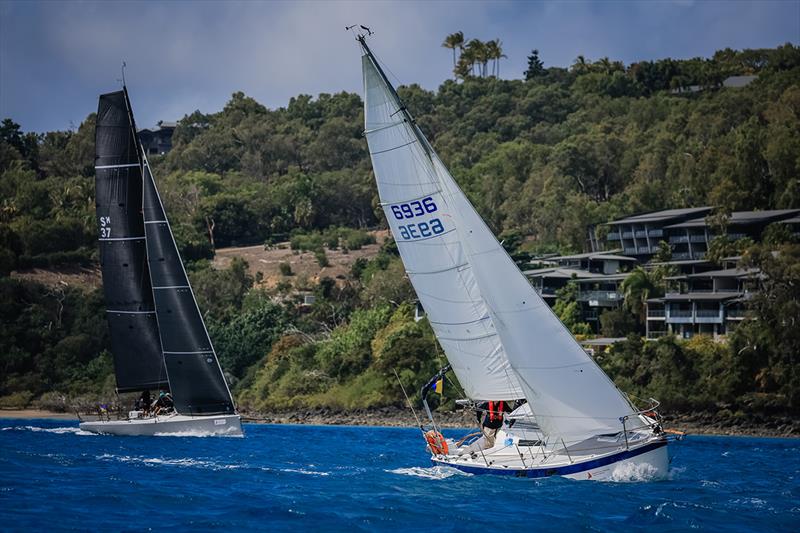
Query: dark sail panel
[[138, 362], [196, 380]]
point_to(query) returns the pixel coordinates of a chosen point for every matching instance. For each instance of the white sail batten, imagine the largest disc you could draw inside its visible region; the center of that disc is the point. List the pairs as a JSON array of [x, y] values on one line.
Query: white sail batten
[[570, 395], [425, 231]]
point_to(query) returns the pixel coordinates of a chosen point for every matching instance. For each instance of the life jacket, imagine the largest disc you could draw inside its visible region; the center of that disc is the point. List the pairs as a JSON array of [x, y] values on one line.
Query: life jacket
[[496, 411]]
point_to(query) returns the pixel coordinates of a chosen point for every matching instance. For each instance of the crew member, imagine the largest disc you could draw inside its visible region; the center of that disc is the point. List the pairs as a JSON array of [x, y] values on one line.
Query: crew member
[[163, 404], [492, 414]]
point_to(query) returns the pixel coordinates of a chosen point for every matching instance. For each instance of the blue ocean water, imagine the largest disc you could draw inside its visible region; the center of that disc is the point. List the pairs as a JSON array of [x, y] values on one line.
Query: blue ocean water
[[53, 476]]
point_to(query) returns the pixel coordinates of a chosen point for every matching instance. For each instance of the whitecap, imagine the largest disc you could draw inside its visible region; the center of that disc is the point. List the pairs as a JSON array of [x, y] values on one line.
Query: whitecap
[[432, 472], [158, 461], [305, 472]]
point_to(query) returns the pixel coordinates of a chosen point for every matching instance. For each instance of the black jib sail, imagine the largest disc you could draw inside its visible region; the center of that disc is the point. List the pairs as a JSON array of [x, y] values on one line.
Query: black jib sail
[[198, 385], [138, 361]]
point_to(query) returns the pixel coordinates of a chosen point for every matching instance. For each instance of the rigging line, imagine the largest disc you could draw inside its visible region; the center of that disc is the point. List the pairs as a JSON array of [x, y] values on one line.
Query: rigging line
[[408, 401]]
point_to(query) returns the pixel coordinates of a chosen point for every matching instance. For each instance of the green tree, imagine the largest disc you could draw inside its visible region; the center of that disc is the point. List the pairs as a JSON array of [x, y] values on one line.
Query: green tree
[[535, 66]]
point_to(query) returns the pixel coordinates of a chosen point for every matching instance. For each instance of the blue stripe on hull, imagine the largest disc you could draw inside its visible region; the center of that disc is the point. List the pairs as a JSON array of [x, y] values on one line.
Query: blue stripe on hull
[[556, 471]]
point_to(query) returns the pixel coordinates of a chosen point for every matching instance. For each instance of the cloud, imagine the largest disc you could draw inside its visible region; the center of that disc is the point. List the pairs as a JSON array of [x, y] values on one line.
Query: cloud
[[56, 57]]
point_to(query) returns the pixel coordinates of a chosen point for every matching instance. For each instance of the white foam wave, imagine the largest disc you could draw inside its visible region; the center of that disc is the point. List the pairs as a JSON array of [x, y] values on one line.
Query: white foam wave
[[627, 472], [158, 461], [433, 472], [57, 431], [305, 472], [195, 434]]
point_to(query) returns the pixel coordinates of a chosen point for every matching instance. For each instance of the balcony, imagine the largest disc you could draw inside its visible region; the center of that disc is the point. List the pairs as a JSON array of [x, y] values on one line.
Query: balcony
[[599, 296], [733, 312], [707, 313], [641, 233], [656, 334], [655, 313], [656, 233], [630, 251], [674, 239], [678, 256], [613, 236], [680, 313], [697, 238], [627, 235]]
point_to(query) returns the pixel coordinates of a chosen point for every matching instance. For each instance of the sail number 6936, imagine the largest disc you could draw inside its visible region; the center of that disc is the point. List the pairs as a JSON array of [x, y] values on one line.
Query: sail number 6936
[[414, 209]]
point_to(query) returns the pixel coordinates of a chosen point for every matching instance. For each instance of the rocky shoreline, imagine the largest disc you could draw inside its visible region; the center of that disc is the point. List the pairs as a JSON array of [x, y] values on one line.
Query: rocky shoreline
[[691, 423]]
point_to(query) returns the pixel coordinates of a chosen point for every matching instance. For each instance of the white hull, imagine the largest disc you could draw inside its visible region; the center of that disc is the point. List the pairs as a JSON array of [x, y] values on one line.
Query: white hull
[[645, 460], [169, 425]]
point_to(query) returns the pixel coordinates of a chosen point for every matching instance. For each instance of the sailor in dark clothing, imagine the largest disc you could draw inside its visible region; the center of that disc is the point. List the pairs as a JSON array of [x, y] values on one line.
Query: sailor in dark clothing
[[164, 403], [143, 402]]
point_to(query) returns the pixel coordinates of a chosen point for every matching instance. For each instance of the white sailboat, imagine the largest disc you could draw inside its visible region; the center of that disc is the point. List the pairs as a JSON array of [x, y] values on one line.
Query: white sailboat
[[501, 339], [158, 338]]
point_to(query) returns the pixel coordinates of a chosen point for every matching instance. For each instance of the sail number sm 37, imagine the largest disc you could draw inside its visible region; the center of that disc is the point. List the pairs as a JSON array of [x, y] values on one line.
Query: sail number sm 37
[[411, 210]]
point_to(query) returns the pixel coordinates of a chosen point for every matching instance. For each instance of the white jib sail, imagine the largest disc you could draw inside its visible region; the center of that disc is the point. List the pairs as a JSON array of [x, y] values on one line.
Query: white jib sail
[[571, 397], [425, 232]]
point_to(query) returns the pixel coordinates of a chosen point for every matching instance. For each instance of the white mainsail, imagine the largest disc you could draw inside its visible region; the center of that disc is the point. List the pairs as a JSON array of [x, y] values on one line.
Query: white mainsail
[[434, 258], [497, 332]]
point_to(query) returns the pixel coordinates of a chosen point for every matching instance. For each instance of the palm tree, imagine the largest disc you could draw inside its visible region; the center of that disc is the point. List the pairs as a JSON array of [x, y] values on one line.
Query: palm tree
[[477, 53], [453, 41], [581, 66], [636, 289], [494, 50]]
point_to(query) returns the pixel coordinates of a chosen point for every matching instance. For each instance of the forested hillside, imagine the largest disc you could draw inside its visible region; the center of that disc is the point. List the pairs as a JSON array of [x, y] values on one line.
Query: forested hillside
[[542, 159]]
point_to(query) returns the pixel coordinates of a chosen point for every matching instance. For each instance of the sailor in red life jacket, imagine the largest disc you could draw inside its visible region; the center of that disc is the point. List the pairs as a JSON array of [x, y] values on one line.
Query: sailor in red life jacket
[[492, 412]]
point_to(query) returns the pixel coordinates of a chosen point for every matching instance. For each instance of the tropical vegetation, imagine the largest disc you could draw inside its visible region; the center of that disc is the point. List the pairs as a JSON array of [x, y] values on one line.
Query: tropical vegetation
[[543, 158]]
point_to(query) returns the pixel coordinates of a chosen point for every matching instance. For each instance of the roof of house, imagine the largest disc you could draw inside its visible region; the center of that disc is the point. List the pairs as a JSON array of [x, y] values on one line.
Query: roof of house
[[698, 297], [573, 273], [741, 217], [661, 216], [721, 273], [594, 255]]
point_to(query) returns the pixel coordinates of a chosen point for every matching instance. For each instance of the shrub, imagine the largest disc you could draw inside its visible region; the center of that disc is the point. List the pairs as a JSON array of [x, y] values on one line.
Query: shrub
[[286, 269]]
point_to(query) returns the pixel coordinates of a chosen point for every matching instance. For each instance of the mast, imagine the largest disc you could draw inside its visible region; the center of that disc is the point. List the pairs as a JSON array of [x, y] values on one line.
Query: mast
[[424, 226]]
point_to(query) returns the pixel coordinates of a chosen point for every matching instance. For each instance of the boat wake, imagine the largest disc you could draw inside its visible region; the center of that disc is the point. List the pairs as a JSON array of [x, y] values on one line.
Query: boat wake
[[58, 431], [432, 472]]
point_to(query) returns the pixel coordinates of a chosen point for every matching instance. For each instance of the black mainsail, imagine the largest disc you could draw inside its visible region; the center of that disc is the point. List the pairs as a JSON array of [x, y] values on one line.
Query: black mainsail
[[138, 361], [158, 335]]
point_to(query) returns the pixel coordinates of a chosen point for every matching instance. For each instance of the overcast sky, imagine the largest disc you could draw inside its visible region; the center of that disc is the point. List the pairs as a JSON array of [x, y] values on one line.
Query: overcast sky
[[56, 57]]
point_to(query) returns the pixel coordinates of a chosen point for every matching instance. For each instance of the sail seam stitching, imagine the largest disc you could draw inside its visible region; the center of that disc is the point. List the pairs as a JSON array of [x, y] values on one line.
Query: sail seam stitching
[[395, 148]]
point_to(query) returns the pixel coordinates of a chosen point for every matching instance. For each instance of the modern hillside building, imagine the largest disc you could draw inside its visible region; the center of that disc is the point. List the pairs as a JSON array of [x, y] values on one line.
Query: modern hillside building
[[711, 303], [638, 236], [158, 141], [701, 298]]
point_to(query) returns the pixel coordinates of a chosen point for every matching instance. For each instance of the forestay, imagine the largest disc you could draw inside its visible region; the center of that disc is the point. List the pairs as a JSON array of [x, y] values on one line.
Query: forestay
[[138, 362], [196, 380], [425, 229]]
